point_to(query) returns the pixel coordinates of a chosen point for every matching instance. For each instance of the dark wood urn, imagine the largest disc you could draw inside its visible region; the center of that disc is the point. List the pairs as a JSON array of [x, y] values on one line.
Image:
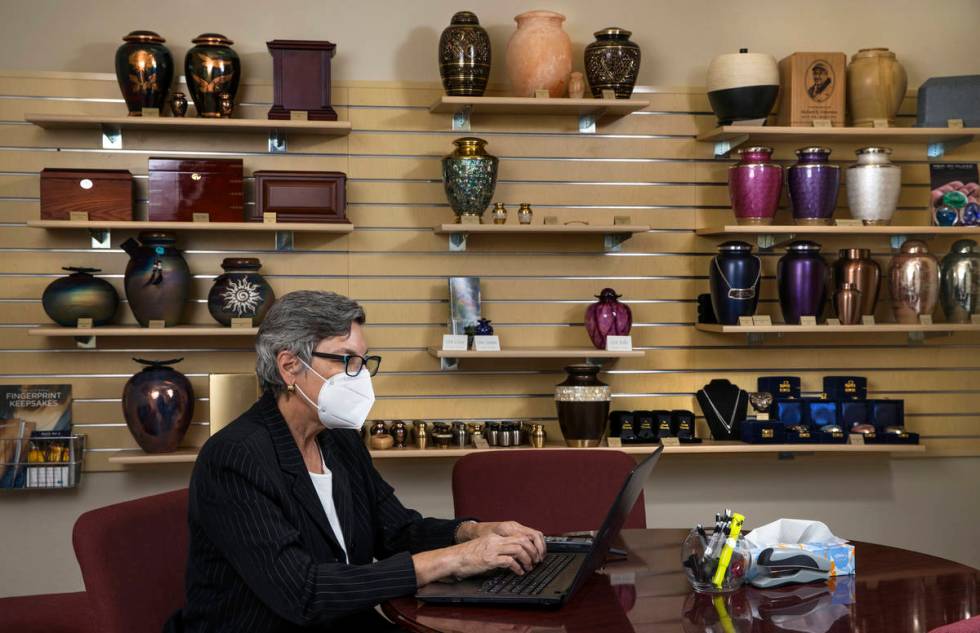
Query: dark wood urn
[[301, 79]]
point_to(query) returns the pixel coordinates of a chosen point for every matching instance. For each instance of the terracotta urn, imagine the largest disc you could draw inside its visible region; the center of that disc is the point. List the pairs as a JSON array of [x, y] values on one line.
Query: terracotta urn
[[876, 84], [539, 55], [914, 279]]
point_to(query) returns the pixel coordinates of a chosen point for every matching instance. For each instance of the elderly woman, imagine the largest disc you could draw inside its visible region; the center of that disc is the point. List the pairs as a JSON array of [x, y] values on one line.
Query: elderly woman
[[291, 527]]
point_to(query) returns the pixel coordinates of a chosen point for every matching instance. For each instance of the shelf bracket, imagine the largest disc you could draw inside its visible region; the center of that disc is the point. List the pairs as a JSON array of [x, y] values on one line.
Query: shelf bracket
[[917, 338], [595, 362], [755, 339], [101, 238], [785, 456], [938, 150], [277, 141], [457, 242], [448, 364], [461, 119], [722, 148], [897, 241], [766, 242], [85, 342], [587, 122], [613, 242], [111, 137], [284, 240]]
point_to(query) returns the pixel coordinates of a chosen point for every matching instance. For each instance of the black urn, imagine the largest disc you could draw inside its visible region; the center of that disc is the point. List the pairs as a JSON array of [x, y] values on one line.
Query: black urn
[[80, 296], [583, 406], [157, 278], [734, 277], [240, 292], [612, 62], [144, 70], [464, 56], [212, 68], [158, 403]]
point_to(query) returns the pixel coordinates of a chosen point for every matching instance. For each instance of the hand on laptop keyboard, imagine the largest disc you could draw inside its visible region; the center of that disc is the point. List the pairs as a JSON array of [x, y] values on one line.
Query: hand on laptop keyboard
[[494, 552]]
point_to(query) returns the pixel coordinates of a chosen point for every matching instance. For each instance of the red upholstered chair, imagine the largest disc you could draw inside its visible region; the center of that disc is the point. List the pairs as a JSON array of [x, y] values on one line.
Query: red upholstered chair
[[552, 491], [133, 556], [47, 613], [963, 626]]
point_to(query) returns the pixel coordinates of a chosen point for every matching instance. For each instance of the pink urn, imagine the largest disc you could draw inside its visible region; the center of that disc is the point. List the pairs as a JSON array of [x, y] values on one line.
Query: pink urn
[[539, 55], [607, 317], [754, 184]]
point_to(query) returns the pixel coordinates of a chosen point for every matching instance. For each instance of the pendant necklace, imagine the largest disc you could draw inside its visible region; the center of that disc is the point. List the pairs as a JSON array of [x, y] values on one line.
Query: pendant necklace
[[731, 420], [739, 293]]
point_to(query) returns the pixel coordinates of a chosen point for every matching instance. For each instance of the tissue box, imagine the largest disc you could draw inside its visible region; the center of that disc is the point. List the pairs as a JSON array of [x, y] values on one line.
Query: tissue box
[[781, 387], [763, 432], [845, 387]]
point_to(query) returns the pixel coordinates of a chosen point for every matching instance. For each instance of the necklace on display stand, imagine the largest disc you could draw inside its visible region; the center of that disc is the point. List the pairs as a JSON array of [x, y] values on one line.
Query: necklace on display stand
[[721, 418]]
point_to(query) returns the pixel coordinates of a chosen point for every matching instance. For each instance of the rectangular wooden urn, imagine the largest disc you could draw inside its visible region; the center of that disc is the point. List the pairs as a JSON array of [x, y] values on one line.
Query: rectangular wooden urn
[[179, 188], [301, 79], [104, 194], [300, 196], [812, 88]]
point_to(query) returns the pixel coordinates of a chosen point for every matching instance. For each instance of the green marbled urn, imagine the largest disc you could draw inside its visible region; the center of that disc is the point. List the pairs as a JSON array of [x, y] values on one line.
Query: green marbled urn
[[469, 175]]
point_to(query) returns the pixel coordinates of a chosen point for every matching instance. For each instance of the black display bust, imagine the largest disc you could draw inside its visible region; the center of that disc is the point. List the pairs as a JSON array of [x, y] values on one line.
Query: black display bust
[[724, 406]]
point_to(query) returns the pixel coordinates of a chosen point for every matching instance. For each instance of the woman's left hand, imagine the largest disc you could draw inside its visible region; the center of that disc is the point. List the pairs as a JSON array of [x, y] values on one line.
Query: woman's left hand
[[535, 539]]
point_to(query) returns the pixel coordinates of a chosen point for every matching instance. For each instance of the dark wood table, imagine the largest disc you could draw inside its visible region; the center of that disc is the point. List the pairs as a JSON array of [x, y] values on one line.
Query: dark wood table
[[894, 590]]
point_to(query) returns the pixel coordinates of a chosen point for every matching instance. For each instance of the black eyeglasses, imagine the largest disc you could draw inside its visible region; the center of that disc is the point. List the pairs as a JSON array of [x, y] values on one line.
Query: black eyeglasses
[[353, 364]]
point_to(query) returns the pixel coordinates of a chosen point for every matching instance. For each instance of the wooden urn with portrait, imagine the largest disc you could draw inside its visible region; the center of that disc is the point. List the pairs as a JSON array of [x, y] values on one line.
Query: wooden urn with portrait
[[812, 89]]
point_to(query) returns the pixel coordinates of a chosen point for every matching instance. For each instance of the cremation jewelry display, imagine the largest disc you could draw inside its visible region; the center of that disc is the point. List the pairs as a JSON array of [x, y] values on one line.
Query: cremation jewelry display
[[724, 406]]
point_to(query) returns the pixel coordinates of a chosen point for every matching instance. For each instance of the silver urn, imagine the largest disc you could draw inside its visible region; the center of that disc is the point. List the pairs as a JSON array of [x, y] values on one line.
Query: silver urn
[[873, 186], [959, 289]]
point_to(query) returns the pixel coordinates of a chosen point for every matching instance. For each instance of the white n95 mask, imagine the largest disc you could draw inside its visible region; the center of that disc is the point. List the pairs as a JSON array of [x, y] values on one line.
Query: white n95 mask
[[344, 401]]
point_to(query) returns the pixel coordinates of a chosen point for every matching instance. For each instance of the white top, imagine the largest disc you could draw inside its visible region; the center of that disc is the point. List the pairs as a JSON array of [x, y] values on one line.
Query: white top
[[324, 489]]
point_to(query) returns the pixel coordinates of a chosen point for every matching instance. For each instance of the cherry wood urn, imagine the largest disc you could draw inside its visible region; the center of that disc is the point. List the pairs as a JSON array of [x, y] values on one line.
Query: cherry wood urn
[[300, 196], [104, 194], [180, 188], [301, 79]]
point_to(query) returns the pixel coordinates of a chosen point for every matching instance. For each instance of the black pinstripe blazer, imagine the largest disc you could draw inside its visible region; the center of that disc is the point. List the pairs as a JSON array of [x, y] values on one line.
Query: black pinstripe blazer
[[262, 555]]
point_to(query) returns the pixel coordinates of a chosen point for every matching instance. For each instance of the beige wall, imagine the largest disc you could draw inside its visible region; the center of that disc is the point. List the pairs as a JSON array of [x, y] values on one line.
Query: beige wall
[[395, 39]]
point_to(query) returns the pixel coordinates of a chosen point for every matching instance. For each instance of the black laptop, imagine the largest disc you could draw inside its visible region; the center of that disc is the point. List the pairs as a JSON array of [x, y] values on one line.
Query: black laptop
[[560, 574]]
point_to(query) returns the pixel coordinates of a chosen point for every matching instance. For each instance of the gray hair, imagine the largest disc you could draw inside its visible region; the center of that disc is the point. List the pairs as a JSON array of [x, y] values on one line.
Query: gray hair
[[297, 322]]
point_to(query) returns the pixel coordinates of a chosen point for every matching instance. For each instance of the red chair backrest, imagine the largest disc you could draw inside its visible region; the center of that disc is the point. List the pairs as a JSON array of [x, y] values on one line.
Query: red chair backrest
[[553, 491], [133, 556]]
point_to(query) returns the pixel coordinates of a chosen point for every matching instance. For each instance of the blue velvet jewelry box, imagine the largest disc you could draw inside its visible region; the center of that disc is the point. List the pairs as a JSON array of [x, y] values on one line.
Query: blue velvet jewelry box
[[781, 387], [845, 387], [763, 432]]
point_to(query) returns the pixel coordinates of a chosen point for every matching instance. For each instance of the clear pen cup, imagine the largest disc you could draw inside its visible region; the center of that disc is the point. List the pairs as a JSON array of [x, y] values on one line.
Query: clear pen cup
[[701, 566]]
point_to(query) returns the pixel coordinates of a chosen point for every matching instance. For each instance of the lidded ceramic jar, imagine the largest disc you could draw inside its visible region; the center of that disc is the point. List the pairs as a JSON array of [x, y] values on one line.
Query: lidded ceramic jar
[[959, 290], [813, 186], [157, 278], [469, 176], [583, 406], [464, 56], [80, 296], [854, 266], [612, 62], [742, 86], [158, 404], [240, 292], [801, 276], [539, 55], [212, 68], [607, 317], [754, 185], [914, 279], [144, 70], [876, 84], [873, 186], [734, 277]]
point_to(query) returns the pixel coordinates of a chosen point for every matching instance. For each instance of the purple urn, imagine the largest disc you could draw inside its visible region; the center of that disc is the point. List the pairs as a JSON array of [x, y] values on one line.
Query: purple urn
[[754, 184], [607, 317], [801, 276], [813, 186]]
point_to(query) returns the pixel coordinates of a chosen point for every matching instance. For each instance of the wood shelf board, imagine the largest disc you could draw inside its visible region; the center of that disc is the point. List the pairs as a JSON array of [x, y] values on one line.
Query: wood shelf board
[[534, 106], [784, 229], [778, 134], [537, 352], [540, 229], [779, 328], [186, 124], [180, 456], [135, 330], [136, 225]]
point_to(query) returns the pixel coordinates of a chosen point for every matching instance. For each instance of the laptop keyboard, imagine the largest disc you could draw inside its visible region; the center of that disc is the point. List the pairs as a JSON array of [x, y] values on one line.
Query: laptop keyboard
[[532, 582]]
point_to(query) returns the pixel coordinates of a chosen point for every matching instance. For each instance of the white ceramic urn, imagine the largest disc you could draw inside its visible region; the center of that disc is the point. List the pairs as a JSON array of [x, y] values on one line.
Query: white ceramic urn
[[873, 186]]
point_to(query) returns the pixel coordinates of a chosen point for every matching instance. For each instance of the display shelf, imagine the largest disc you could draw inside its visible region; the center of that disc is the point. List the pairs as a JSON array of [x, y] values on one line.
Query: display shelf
[[101, 230], [589, 111], [887, 328], [537, 352], [613, 234], [767, 236], [135, 330], [186, 124], [939, 140], [707, 448]]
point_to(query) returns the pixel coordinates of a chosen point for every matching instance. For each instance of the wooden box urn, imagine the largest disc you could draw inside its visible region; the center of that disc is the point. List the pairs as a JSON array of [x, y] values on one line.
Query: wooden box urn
[[301, 79], [185, 190], [812, 88], [300, 196], [103, 194]]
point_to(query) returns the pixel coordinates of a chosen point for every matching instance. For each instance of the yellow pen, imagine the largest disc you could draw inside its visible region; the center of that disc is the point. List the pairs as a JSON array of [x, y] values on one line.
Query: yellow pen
[[726, 551]]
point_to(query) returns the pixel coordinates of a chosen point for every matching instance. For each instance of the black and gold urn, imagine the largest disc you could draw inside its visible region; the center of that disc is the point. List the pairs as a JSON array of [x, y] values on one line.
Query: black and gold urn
[[583, 406], [212, 69], [612, 62], [144, 70], [464, 56]]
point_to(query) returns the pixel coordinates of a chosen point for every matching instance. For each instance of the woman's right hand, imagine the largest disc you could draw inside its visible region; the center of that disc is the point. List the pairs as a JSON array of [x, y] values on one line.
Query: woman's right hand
[[492, 551]]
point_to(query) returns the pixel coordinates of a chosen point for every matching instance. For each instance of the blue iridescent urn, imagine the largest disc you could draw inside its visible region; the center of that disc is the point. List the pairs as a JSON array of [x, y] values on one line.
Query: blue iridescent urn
[[469, 175]]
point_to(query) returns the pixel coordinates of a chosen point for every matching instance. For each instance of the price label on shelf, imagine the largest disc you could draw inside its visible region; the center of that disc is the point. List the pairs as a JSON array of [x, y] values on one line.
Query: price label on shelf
[[201, 217], [745, 321], [157, 325], [78, 216], [868, 319], [846, 222], [619, 343], [299, 115], [84, 323], [808, 320], [486, 343], [856, 438], [975, 319], [925, 319], [833, 321], [269, 218], [670, 441], [614, 442], [765, 319], [454, 342], [480, 442], [241, 322]]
